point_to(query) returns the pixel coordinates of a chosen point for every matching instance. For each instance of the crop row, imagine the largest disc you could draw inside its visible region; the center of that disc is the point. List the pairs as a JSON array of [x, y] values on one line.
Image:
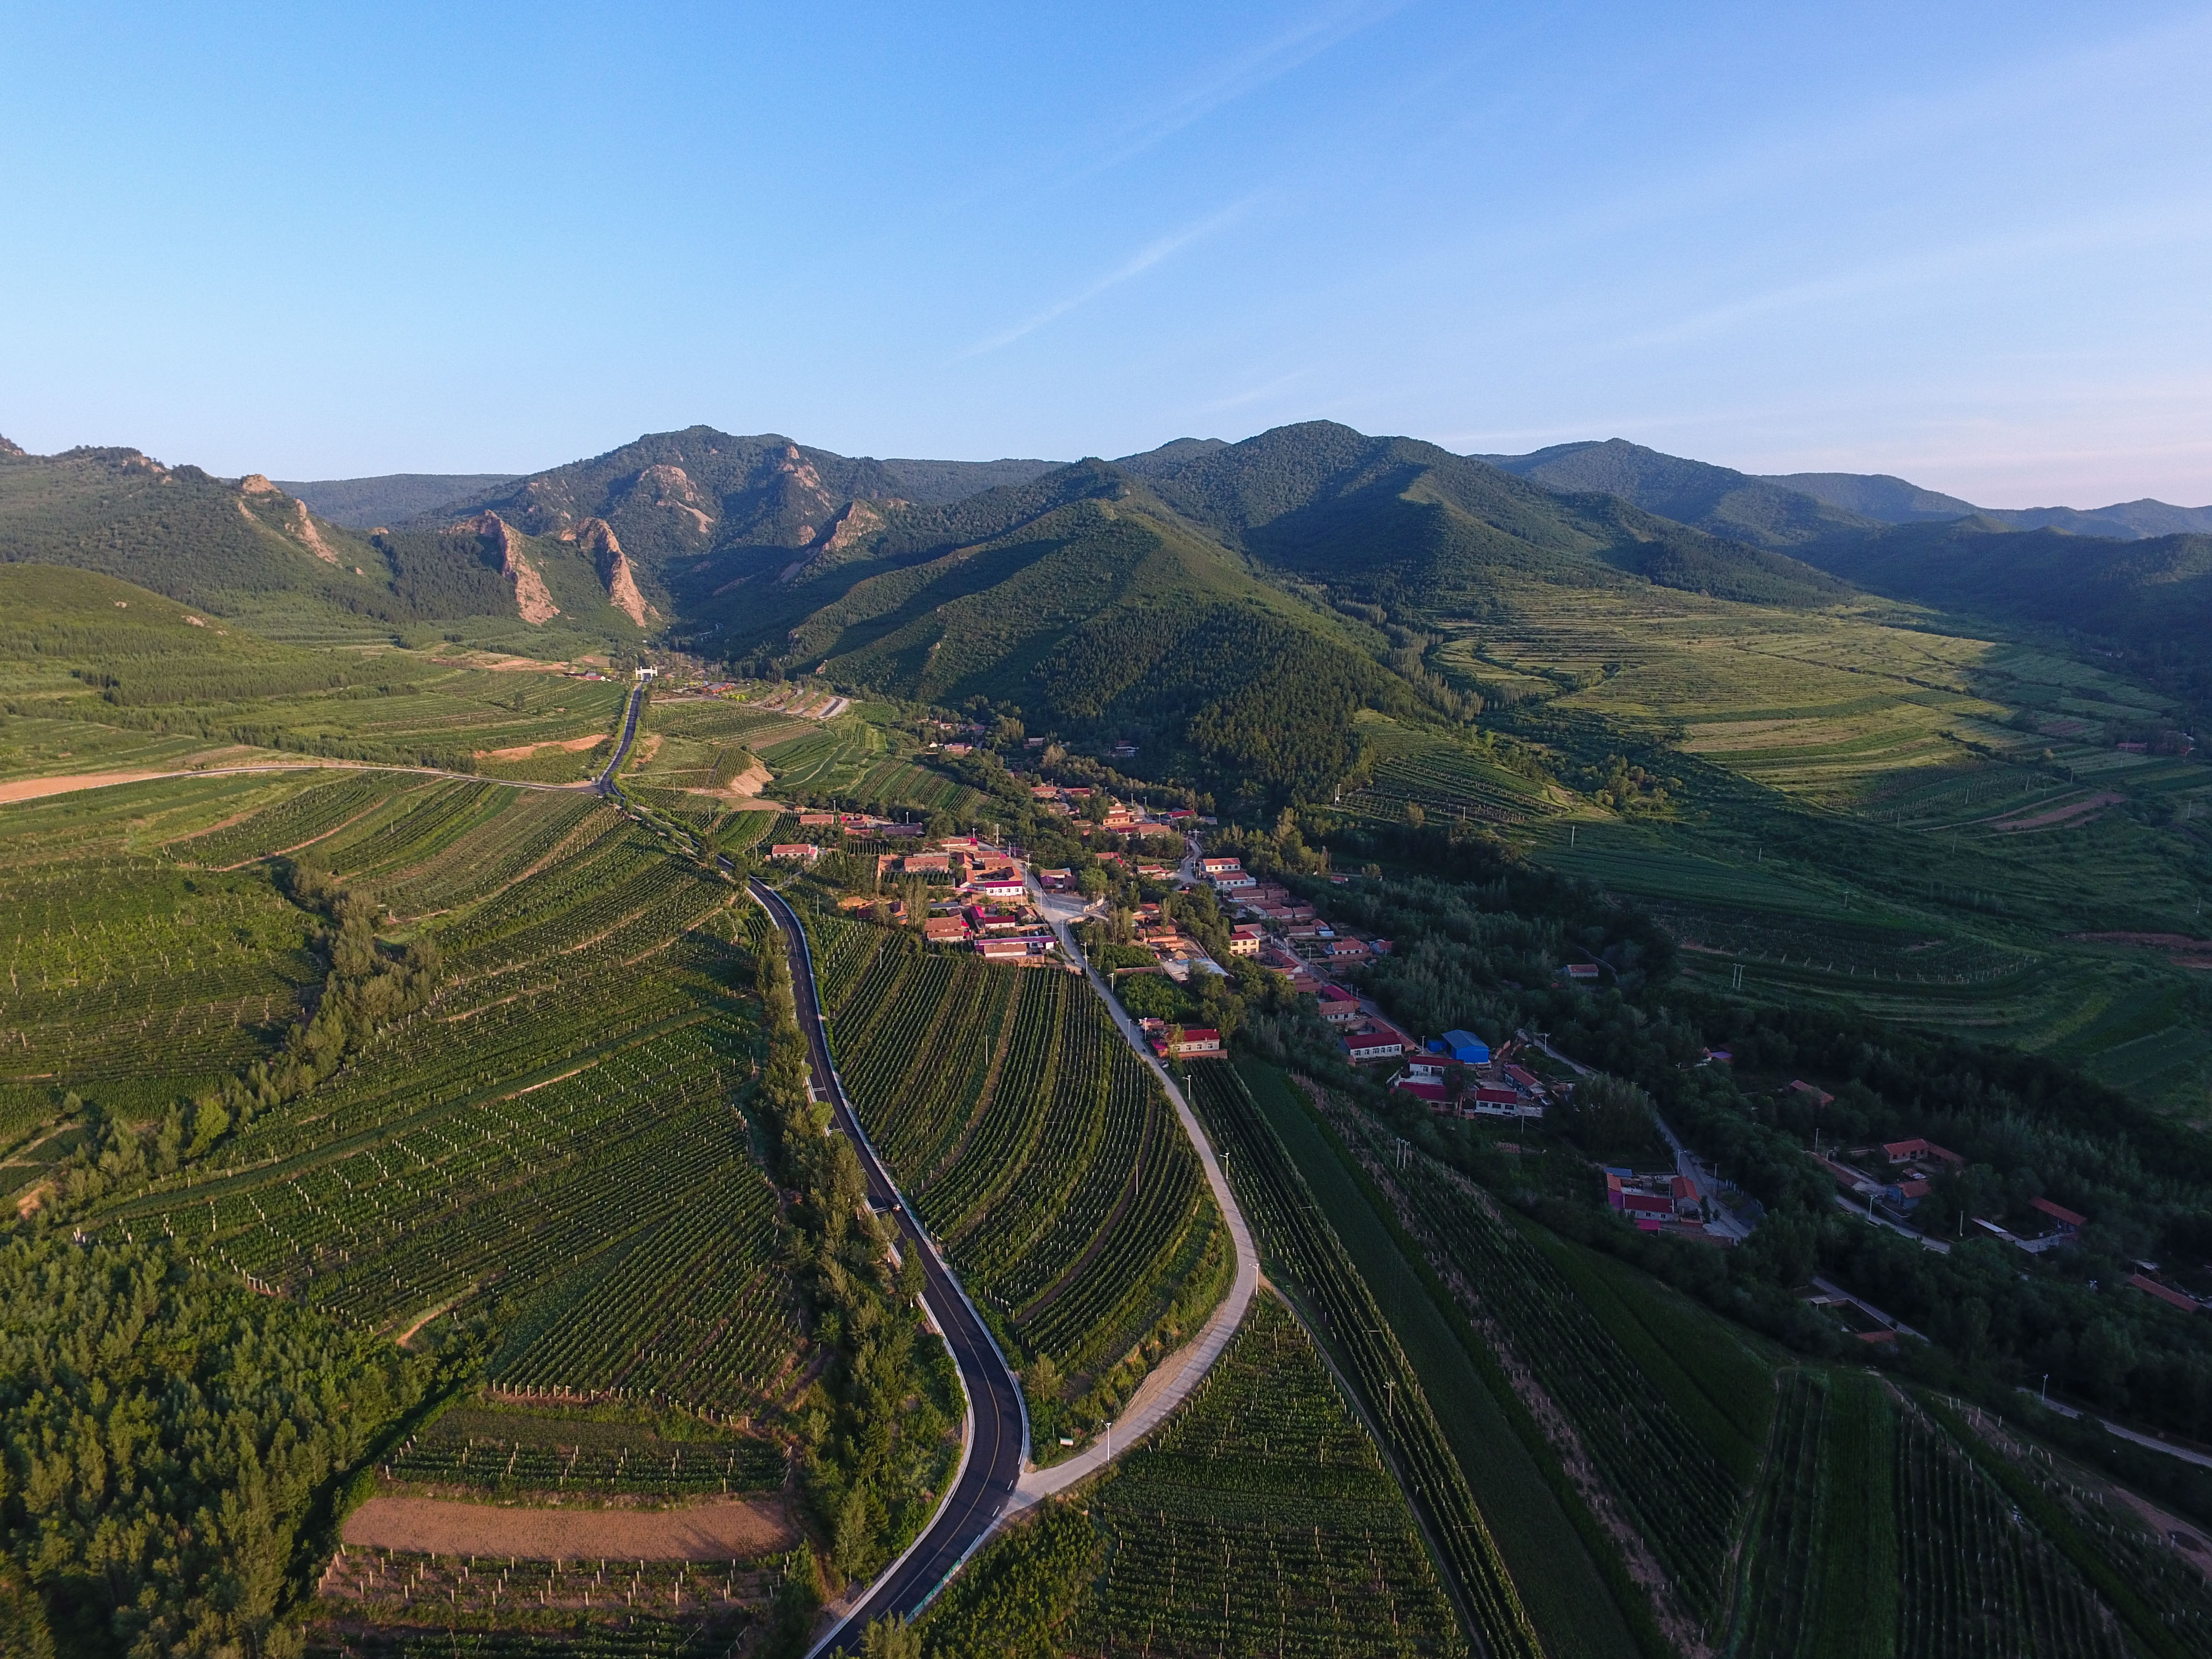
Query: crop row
[[1179, 1586], [696, 1310], [1026, 1135], [1684, 1501], [1976, 1581], [842, 951], [1779, 1586], [485, 1140], [415, 825], [521, 1466], [1294, 1233], [529, 829], [305, 816], [461, 1585], [1260, 1516]]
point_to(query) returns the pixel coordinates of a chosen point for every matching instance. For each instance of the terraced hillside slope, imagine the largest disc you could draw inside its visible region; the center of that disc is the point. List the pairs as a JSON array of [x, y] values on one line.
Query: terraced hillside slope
[[1040, 1154], [1260, 1515]]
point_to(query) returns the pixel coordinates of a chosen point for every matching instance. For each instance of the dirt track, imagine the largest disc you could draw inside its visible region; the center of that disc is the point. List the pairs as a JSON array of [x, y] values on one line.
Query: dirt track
[[732, 1530]]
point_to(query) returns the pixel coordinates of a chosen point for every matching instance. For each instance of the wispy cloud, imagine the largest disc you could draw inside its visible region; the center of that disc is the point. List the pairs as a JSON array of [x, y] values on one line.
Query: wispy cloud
[[1307, 39], [1252, 394], [1215, 86], [1135, 266], [1942, 267]]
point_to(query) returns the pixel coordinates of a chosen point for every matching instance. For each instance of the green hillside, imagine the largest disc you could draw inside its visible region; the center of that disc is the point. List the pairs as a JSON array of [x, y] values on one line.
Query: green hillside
[[2154, 590], [391, 497], [1404, 521], [248, 552], [1716, 499]]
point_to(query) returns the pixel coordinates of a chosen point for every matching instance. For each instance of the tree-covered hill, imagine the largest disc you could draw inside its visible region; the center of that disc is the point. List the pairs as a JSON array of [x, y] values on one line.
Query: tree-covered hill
[[1718, 500], [246, 551], [1399, 521], [390, 498], [2143, 593]]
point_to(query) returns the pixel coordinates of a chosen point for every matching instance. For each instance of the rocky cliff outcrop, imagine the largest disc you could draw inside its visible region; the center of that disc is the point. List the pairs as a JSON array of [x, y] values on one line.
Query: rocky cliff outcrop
[[670, 486], [533, 601], [302, 527], [596, 536]]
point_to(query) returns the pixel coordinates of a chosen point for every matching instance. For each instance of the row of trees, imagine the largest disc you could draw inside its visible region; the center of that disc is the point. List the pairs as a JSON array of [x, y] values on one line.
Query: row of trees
[[367, 987]]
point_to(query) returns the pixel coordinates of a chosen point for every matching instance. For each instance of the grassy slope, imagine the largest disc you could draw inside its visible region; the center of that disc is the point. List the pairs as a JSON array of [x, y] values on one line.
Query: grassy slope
[[1839, 780], [100, 675]]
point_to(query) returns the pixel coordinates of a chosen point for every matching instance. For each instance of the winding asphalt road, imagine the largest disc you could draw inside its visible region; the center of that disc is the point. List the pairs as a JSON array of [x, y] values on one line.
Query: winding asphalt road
[[998, 1433], [605, 783]]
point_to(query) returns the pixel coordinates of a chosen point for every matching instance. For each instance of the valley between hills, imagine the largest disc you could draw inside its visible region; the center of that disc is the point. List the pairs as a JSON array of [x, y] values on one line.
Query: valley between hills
[[1310, 1046]]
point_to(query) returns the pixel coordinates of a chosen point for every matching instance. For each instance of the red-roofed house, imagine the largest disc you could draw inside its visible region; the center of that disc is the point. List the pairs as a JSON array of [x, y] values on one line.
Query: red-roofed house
[[1904, 1152], [1424, 1089], [1374, 1041], [1337, 1005], [795, 849], [2170, 1298], [1221, 866], [1198, 1042], [1819, 1098], [2069, 1223]]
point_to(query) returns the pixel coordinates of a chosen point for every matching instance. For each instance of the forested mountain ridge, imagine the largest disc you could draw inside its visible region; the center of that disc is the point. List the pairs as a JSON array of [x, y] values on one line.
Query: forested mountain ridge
[[392, 497], [1718, 500], [1407, 521], [247, 551], [2158, 589]]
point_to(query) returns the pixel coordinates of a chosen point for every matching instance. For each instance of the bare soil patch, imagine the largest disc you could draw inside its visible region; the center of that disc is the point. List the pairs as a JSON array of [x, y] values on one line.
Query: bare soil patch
[[525, 750], [2064, 814], [723, 1529], [34, 788]]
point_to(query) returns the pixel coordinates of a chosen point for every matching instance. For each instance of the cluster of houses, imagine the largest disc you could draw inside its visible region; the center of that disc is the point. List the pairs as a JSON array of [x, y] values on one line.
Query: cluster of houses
[[1122, 818], [979, 893], [1906, 1173], [1457, 1072]]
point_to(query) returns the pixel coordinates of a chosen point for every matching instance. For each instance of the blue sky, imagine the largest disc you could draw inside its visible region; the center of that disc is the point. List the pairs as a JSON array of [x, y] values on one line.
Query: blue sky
[[1969, 244]]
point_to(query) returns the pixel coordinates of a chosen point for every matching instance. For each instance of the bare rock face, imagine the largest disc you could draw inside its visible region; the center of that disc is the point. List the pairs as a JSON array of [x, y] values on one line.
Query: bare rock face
[[671, 486], [855, 521], [596, 536], [533, 601], [253, 484], [10, 448], [302, 527], [858, 519]]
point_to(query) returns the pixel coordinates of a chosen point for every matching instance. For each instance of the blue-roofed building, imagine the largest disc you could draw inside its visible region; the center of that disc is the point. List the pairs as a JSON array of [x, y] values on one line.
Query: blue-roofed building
[[1466, 1048]]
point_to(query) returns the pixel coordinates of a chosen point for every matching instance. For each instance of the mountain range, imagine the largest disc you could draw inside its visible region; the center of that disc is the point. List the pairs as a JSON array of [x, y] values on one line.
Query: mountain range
[[1229, 605]]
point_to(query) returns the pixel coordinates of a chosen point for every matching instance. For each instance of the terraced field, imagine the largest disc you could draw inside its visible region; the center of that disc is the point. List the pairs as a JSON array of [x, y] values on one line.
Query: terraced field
[[132, 978], [554, 1136], [1036, 1147], [1262, 1517], [1449, 780]]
